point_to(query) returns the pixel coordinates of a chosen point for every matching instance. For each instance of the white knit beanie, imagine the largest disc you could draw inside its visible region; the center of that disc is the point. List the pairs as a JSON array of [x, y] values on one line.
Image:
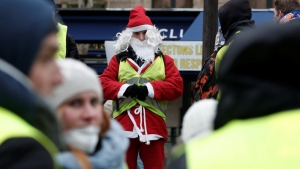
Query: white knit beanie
[[77, 78], [198, 120]]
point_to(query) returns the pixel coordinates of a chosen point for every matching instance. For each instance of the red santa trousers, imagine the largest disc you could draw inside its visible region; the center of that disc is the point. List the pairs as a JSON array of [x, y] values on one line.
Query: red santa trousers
[[152, 155]]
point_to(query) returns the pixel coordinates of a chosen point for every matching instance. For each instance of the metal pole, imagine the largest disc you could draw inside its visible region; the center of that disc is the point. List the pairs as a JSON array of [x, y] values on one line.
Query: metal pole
[[173, 3], [210, 27], [269, 3]]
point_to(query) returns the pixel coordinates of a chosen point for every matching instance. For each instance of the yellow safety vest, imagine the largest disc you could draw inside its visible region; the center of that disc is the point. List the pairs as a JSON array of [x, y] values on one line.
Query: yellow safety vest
[[259, 143], [219, 58], [61, 39], [127, 74], [12, 126]]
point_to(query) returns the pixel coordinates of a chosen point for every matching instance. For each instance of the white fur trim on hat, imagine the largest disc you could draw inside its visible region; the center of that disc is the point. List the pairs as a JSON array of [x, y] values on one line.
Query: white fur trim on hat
[[198, 120], [139, 28], [77, 78]]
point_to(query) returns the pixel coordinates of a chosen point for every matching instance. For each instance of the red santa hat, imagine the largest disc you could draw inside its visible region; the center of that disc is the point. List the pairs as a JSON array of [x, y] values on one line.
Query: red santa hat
[[138, 20]]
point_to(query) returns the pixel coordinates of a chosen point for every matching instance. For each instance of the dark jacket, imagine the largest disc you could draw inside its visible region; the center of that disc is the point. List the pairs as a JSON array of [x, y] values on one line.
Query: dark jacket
[[16, 93], [71, 46]]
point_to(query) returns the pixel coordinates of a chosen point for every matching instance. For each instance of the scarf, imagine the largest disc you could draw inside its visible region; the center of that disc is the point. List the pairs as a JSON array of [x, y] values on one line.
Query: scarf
[[110, 156]]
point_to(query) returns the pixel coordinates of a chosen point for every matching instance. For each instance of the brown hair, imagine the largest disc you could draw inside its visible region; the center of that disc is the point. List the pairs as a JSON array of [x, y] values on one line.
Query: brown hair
[[286, 6], [105, 125], [81, 157]]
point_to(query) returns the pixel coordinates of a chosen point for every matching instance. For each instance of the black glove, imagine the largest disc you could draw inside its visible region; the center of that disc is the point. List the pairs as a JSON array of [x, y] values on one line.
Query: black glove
[[131, 91], [142, 93]]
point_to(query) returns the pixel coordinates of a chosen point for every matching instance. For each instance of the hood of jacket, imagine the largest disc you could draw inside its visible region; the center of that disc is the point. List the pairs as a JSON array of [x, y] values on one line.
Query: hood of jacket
[[21, 34], [18, 96], [233, 14], [258, 73], [53, 5]]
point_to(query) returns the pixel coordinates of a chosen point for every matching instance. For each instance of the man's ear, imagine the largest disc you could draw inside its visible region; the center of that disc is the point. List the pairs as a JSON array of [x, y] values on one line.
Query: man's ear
[[281, 14]]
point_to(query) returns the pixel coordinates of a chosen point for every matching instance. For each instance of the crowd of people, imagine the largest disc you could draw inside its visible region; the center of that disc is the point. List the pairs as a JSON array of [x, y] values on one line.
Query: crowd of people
[[52, 111], [257, 110]]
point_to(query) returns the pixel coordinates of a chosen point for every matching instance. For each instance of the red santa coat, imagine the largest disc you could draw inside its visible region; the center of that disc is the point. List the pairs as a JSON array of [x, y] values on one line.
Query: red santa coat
[[169, 89]]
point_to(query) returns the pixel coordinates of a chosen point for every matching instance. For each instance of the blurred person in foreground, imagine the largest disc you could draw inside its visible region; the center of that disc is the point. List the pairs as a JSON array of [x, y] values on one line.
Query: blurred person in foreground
[[257, 122], [197, 122], [286, 10], [93, 139], [141, 80], [29, 132]]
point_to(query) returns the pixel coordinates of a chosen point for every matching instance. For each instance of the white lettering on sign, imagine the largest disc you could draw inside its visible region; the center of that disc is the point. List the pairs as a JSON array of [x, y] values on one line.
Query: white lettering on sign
[[172, 35], [181, 33], [161, 31], [187, 55]]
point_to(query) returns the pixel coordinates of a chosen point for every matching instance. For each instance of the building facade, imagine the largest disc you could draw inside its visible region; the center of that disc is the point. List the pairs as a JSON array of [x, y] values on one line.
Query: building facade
[[256, 4]]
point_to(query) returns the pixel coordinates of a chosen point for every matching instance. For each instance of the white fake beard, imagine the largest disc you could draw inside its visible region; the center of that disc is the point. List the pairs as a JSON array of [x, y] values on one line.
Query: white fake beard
[[84, 139], [142, 49]]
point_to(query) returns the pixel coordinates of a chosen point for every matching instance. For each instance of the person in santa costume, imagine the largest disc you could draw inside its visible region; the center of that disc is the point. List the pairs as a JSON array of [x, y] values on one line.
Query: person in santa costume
[[141, 80]]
